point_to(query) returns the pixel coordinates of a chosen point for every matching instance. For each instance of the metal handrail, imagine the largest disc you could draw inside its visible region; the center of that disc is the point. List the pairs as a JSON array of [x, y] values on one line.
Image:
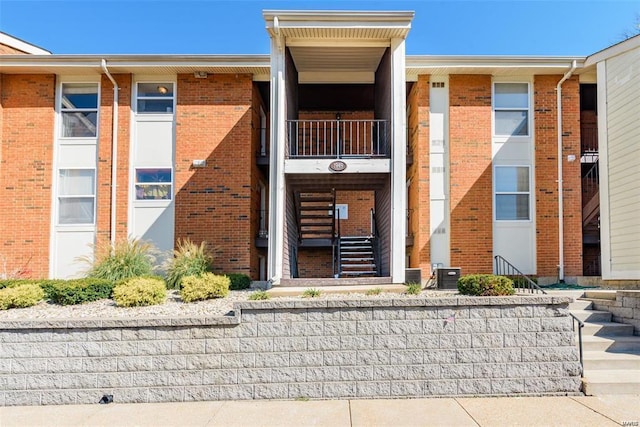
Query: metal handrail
[[590, 182], [580, 326], [337, 138], [505, 268]]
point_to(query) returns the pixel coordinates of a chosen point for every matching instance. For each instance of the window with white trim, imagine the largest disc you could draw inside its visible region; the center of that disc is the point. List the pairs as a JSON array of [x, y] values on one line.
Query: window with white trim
[[512, 193], [153, 184], [155, 98], [79, 110], [76, 196], [511, 109]]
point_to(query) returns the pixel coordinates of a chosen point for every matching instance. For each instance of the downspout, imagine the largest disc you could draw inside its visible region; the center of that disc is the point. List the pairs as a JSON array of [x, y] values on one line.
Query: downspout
[[560, 185], [114, 153]]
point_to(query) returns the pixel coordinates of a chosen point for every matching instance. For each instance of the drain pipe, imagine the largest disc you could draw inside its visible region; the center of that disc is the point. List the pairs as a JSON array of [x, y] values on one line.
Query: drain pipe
[[560, 184], [114, 153]]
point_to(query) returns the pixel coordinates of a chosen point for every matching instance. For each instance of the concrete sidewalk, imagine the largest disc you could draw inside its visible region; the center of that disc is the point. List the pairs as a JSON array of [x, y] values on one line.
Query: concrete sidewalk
[[507, 411]]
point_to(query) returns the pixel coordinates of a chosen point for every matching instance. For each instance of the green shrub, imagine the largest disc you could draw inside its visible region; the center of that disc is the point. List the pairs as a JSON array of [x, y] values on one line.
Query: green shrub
[[129, 258], [79, 291], [20, 296], [207, 286], [413, 288], [374, 291], [46, 284], [140, 291], [238, 281], [485, 285], [310, 293], [188, 259], [259, 295]]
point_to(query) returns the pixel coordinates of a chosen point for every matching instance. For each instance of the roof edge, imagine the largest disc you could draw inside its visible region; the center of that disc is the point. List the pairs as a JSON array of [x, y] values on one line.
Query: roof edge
[[22, 45], [614, 50]]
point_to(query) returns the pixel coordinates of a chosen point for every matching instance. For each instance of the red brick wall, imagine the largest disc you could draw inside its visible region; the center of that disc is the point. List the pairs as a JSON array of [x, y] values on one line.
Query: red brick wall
[[213, 204], [8, 50], [103, 196], [315, 263], [418, 172], [360, 205], [546, 171], [471, 177], [26, 161]]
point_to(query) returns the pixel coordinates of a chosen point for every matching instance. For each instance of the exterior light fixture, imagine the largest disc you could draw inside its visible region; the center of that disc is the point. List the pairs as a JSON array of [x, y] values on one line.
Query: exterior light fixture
[[200, 74]]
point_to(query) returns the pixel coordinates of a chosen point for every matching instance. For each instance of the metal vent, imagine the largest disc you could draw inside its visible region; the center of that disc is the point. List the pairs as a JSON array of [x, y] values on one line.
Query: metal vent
[[437, 169], [437, 142], [437, 84], [440, 230]]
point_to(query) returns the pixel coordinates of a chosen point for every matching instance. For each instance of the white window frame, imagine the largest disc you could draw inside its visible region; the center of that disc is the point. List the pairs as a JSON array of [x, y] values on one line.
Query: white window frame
[[76, 196], [152, 98], [497, 193], [62, 110], [151, 201], [494, 109]]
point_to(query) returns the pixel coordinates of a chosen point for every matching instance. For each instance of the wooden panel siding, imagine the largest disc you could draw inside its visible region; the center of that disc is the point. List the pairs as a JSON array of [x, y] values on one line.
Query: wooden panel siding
[[623, 111]]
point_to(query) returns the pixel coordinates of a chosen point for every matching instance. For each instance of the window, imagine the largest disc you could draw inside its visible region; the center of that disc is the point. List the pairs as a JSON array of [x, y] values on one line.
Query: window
[[512, 193], [76, 196], [153, 184], [511, 109], [155, 98], [79, 110]]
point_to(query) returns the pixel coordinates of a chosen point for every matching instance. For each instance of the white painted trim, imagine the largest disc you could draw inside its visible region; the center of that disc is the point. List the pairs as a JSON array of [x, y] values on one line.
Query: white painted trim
[[615, 50], [21, 45], [398, 161], [276, 172], [321, 166], [54, 227], [603, 148], [335, 42]]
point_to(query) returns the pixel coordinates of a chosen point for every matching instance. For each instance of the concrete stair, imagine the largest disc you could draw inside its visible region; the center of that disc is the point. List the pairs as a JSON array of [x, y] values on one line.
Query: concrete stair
[[611, 352]]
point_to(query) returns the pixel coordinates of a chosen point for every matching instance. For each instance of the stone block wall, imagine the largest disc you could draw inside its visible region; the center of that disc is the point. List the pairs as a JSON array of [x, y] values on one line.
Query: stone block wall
[[319, 349], [624, 309]]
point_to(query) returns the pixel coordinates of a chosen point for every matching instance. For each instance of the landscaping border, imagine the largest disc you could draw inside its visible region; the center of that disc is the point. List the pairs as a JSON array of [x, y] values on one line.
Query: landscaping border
[[287, 349]]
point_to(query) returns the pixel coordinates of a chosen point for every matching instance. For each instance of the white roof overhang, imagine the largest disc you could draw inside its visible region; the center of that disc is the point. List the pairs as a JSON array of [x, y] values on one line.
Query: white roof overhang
[[503, 66], [21, 45], [257, 65]]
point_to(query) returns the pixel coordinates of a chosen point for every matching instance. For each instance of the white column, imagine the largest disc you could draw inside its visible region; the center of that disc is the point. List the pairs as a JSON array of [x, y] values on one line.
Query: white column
[[603, 152], [276, 171], [398, 160]]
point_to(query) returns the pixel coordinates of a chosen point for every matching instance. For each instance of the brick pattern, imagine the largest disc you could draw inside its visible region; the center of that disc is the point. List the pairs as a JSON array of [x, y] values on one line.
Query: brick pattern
[[546, 175], [315, 263], [360, 205], [8, 50], [26, 162], [418, 172], [105, 155], [471, 176], [213, 204], [285, 350]]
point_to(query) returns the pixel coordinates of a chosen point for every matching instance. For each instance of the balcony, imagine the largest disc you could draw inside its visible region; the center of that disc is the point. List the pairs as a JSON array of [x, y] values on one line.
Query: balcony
[[337, 139]]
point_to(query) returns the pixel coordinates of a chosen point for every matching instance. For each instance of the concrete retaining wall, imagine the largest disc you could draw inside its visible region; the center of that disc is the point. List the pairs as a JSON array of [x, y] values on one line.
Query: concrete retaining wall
[[367, 348]]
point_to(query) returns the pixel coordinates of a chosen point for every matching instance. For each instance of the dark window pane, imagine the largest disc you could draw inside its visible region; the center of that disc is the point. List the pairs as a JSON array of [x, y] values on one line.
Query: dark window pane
[[153, 175], [161, 90], [512, 207], [155, 106]]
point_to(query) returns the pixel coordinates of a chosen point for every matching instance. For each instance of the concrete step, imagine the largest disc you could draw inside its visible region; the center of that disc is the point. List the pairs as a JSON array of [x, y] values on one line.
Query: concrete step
[[580, 304], [592, 315], [612, 344], [600, 294], [601, 382], [607, 329], [604, 360]]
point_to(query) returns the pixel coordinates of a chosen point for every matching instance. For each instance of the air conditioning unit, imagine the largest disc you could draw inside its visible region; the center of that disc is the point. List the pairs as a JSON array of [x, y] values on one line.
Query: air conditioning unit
[[447, 278]]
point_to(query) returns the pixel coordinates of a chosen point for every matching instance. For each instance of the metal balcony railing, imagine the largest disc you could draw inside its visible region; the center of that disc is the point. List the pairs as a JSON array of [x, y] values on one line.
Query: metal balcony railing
[[337, 138]]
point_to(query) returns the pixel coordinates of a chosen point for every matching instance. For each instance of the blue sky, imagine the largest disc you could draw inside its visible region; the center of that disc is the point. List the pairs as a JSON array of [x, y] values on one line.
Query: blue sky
[[452, 27]]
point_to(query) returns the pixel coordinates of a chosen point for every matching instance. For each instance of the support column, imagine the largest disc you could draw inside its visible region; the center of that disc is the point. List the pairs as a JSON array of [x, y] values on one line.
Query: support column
[[276, 171], [398, 160]]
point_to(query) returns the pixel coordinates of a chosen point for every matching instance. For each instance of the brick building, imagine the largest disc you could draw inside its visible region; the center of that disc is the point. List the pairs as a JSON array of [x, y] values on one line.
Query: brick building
[[334, 157]]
